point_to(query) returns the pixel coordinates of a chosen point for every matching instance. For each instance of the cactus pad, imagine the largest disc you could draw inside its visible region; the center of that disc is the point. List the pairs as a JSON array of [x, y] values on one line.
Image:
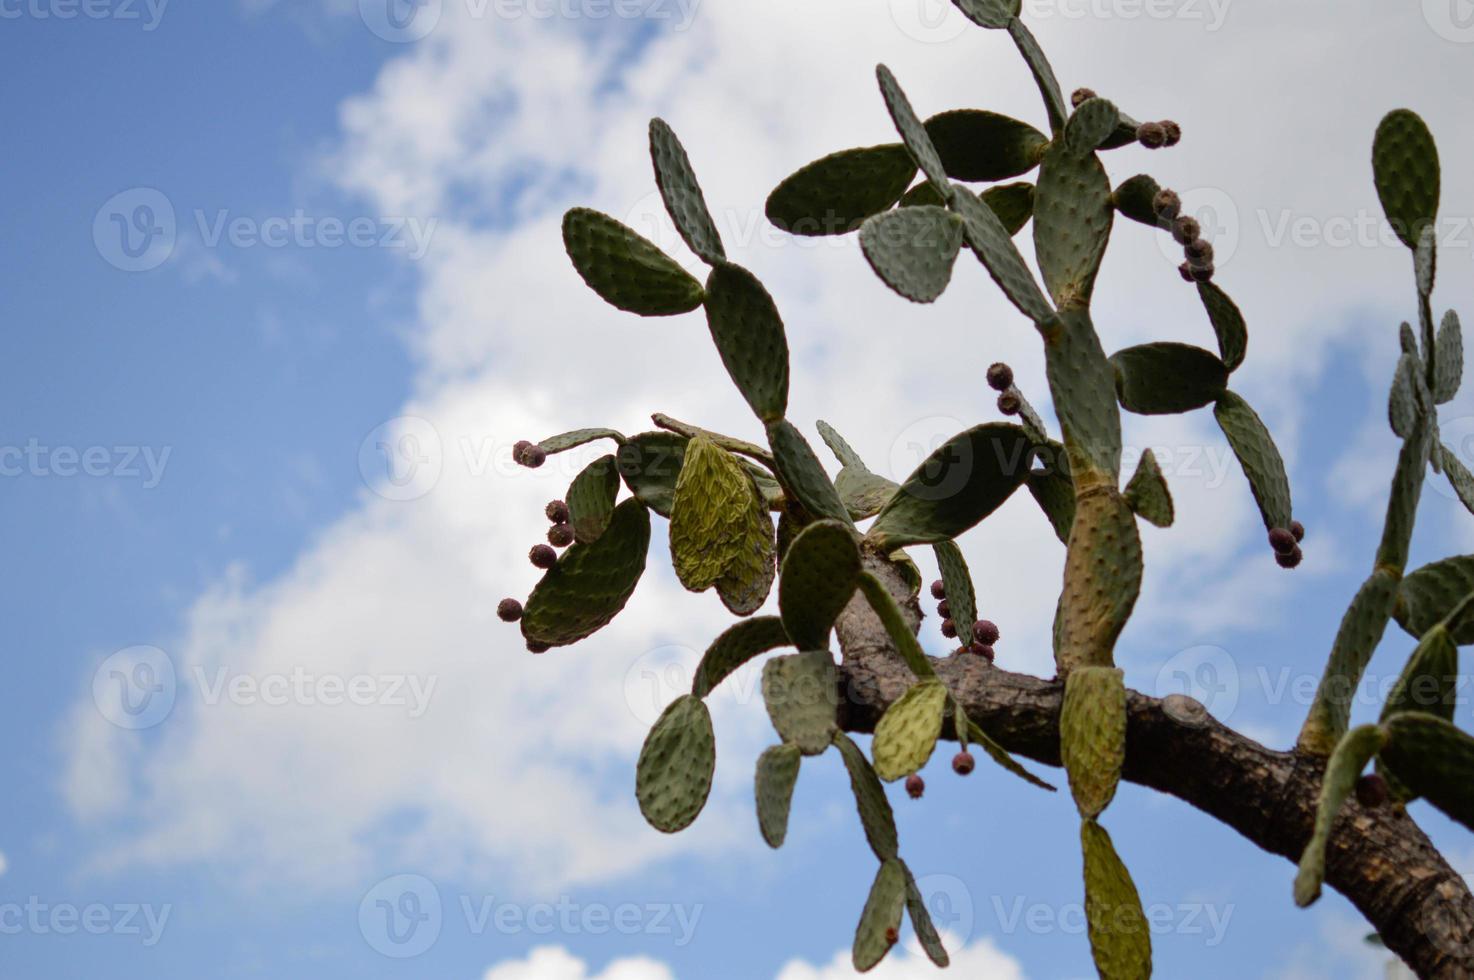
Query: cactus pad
[[992, 14], [682, 194], [913, 133], [1033, 55], [1458, 475], [881, 918], [801, 473], [926, 931], [820, 573], [976, 145], [912, 249], [735, 647], [709, 514], [565, 441], [673, 776], [1402, 401], [993, 245], [1120, 939], [1429, 681], [591, 498], [777, 773], [1405, 165], [1352, 754], [746, 582], [591, 582], [1083, 386], [749, 336], [834, 195], [1435, 760], [1228, 324], [1090, 125], [801, 691], [1134, 198], [1167, 378], [1102, 579], [908, 731], [626, 269], [1258, 456], [863, 493], [876, 816], [901, 632], [1072, 223], [1428, 595], [1449, 359], [1360, 631], [650, 464], [1054, 492], [1092, 735], [1012, 203], [1147, 493], [956, 579]]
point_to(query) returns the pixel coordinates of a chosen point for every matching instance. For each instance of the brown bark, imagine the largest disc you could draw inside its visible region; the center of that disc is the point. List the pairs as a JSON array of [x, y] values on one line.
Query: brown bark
[[1378, 858]]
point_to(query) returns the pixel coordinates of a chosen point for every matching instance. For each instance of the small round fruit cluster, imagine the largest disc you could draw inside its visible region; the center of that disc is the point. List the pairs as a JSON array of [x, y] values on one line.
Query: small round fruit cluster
[[984, 631]]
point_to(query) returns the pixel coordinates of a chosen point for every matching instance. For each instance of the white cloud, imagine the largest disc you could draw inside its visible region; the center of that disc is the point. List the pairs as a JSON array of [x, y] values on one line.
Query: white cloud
[[556, 963]]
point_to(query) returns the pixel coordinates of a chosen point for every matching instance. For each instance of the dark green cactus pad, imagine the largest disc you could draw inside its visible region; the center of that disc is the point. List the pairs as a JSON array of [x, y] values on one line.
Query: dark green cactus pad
[[1054, 492], [1092, 735], [1090, 125], [1405, 165], [673, 776], [1407, 339], [993, 245], [735, 647], [1351, 756], [1458, 475], [591, 497], [1120, 939], [834, 195], [881, 917], [820, 574], [907, 569], [957, 580], [1361, 630], [1083, 385], [912, 249], [1102, 579], [745, 584], [1449, 359], [923, 193], [977, 145], [1429, 682], [777, 774], [1123, 135], [926, 930], [908, 731], [1259, 457], [896, 627], [913, 133], [1402, 401], [1072, 223], [1228, 324], [841, 449], [992, 14], [682, 194], [1425, 261], [876, 816], [963, 481], [1054, 100], [801, 691], [626, 269], [801, 474], [650, 463], [591, 582], [709, 514], [1000, 755], [1134, 197], [1012, 203], [863, 493], [1428, 595], [1167, 378], [1435, 760], [564, 441], [1402, 502], [1147, 493], [749, 335]]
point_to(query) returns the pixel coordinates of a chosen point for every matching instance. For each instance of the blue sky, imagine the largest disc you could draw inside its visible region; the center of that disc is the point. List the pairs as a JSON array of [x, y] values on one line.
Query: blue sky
[[203, 488]]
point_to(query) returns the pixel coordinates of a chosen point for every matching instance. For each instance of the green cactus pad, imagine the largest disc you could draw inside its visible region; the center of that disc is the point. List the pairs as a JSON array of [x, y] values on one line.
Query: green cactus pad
[[1402, 502], [1000, 755], [1351, 756], [1259, 457], [1361, 630], [820, 573], [801, 691], [1090, 125], [902, 634], [881, 918], [673, 776], [923, 193], [993, 245], [1425, 261], [1102, 579], [1083, 385], [992, 14], [963, 481], [912, 249], [834, 195], [1072, 223], [926, 930], [1407, 339], [913, 133], [1134, 198], [1012, 203], [1428, 595], [745, 584], [1054, 100], [627, 270], [650, 463], [801, 474], [957, 581], [1123, 135], [1167, 378], [777, 773], [841, 449], [977, 145], [749, 335], [876, 816], [1402, 401], [682, 194], [1147, 493], [735, 647], [565, 441], [1458, 475], [1449, 359], [863, 493], [591, 497], [908, 731], [1092, 735], [709, 514], [591, 582], [1054, 492], [1429, 682], [1435, 760], [1228, 324], [1405, 165], [1120, 939]]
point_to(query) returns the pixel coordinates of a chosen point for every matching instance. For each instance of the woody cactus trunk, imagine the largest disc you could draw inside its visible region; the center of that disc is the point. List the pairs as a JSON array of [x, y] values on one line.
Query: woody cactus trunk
[[720, 495]]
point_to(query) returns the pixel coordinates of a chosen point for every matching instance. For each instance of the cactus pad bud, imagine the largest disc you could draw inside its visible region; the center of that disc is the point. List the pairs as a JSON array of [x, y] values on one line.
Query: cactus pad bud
[[944, 609], [1199, 251], [949, 629], [1186, 229], [1173, 131], [1371, 790], [938, 590], [1291, 559], [560, 535], [1009, 403], [534, 647], [509, 610], [557, 511], [982, 650], [1282, 540], [542, 556], [1166, 204], [1151, 135], [963, 763], [915, 786], [986, 631], [1298, 530], [1081, 95], [1000, 377]]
